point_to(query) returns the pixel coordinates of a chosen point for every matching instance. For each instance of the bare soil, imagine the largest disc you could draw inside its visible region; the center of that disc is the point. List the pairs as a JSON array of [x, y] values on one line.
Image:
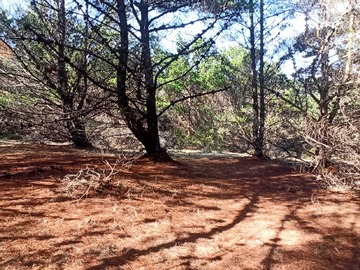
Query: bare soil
[[195, 213]]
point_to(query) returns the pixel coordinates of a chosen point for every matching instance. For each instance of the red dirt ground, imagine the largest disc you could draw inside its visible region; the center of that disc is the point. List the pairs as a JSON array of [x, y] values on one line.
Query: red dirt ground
[[196, 213]]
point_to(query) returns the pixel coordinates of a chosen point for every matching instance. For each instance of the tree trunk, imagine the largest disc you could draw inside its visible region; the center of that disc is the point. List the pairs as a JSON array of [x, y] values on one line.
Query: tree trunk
[[148, 135], [348, 65], [152, 146], [258, 102], [323, 84], [62, 75], [254, 86], [78, 134], [262, 115], [75, 126]]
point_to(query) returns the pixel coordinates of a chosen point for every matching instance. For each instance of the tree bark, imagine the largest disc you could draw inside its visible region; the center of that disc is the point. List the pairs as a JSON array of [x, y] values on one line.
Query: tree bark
[[254, 81], [148, 135], [260, 140], [348, 65], [257, 82], [74, 124], [78, 133], [152, 144]]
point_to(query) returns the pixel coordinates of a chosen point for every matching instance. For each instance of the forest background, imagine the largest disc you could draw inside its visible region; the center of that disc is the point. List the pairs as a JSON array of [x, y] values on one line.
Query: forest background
[[156, 75]]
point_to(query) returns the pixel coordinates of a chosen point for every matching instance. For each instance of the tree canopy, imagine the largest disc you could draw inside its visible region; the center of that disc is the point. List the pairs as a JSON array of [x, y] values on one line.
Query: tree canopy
[[161, 71]]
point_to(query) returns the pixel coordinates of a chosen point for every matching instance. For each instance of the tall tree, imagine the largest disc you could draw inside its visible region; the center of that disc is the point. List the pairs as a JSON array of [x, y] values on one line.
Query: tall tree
[[134, 27], [330, 76], [43, 39], [257, 29]]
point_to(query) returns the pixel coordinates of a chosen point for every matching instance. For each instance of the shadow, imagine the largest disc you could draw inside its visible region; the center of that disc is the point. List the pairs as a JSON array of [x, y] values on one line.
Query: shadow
[[338, 247], [14, 201], [181, 202], [11, 212], [37, 237], [216, 220], [68, 243], [149, 220], [28, 260], [188, 259], [133, 254], [179, 188], [323, 254], [269, 260]]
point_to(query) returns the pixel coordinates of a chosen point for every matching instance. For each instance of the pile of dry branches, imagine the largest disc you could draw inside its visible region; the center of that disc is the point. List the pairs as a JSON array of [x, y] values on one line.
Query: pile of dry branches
[[93, 180], [337, 161]]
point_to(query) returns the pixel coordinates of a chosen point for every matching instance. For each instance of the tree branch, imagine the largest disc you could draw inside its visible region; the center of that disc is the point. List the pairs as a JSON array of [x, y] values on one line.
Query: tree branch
[[172, 103]]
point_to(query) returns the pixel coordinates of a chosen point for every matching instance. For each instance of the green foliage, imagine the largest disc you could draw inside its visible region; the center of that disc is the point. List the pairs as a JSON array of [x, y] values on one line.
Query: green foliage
[[9, 99], [5, 98], [10, 136], [203, 123], [205, 137]]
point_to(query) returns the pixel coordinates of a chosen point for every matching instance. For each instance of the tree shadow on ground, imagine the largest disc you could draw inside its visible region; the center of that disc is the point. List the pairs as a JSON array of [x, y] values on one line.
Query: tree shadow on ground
[[189, 185], [133, 254], [337, 248]]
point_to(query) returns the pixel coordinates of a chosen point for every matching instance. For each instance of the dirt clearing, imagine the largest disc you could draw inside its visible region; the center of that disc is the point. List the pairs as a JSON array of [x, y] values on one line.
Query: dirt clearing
[[196, 213]]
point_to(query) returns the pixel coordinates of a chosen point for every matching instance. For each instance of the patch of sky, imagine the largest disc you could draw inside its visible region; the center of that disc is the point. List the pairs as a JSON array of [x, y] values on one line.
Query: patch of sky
[[193, 26], [13, 6]]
